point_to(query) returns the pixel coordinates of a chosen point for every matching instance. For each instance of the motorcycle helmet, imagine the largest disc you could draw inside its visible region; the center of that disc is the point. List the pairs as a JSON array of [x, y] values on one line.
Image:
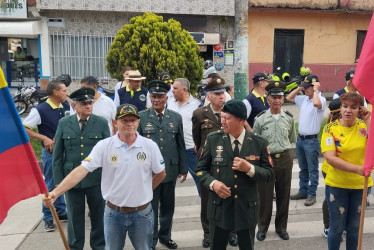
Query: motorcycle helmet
[[65, 78], [208, 64], [304, 71]]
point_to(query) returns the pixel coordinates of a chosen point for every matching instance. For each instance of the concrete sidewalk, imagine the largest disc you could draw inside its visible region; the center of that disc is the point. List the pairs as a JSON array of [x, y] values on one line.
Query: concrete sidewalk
[[22, 219]]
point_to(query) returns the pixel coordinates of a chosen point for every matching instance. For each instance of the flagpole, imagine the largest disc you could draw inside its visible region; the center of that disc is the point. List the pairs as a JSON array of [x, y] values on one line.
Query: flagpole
[[55, 217], [362, 216]]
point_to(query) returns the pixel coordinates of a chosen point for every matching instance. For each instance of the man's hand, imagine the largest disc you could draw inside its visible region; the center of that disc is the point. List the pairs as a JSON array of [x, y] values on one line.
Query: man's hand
[[241, 165], [316, 86], [50, 199], [182, 177], [221, 189], [48, 144]]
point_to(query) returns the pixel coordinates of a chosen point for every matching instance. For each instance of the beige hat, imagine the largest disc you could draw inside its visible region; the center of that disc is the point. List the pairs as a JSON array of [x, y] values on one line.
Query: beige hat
[[135, 75]]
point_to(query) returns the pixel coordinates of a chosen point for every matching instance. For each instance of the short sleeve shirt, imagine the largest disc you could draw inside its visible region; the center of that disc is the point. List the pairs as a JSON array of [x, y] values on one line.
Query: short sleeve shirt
[[126, 171]]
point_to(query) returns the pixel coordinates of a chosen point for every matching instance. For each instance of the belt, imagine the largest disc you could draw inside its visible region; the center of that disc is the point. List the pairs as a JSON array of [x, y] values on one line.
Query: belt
[[126, 210], [279, 155], [307, 137]]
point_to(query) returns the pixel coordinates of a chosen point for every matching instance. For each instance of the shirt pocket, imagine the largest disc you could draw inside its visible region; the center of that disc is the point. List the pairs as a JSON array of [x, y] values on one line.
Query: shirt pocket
[[68, 141], [95, 138], [219, 168], [172, 132]]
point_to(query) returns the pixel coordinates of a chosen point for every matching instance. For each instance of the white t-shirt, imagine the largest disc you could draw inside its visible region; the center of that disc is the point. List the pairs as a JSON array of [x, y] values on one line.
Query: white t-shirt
[[116, 96], [310, 119], [126, 171]]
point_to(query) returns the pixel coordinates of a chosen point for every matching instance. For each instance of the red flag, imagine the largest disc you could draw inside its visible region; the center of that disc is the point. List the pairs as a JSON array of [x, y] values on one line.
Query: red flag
[[362, 80], [20, 175]]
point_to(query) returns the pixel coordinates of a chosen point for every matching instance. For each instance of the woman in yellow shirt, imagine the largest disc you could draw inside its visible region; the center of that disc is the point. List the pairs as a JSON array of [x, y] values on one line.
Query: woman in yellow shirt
[[343, 145]]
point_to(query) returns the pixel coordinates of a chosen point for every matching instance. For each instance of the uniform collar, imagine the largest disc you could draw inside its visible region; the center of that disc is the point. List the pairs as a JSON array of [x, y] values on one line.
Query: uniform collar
[[118, 143], [240, 138], [50, 103]]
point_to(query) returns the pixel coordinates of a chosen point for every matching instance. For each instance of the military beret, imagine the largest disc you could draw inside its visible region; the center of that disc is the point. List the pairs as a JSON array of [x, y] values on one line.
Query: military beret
[[334, 105], [83, 95], [158, 87], [236, 108], [260, 77], [275, 88], [216, 85], [309, 80], [349, 75], [165, 77], [126, 109]]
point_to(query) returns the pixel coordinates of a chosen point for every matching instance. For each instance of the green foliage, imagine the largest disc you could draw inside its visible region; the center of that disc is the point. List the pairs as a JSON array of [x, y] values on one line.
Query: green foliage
[[36, 146], [151, 45]]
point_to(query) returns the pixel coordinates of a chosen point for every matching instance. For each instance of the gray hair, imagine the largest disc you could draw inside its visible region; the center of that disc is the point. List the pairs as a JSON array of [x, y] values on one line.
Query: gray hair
[[52, 86], [184, 83]]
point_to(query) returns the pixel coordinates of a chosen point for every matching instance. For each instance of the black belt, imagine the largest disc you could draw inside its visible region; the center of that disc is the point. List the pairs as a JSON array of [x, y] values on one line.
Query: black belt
[[307, 137], [279, 155], [126, 210]]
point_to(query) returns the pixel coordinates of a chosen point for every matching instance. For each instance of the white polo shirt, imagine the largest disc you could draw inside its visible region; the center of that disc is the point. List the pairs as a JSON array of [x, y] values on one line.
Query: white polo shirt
[[127, 171], [310, 118]]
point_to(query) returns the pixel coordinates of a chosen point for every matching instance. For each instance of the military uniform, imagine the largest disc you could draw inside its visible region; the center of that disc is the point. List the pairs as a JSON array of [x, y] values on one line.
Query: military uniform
[[238, 212], [169, 137], [280, 133], [71, 147]]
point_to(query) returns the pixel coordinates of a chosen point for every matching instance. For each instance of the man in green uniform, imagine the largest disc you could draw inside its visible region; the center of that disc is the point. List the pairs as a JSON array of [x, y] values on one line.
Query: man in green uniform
[[164, 127], [76, 135], [233, 161], [278, 127]]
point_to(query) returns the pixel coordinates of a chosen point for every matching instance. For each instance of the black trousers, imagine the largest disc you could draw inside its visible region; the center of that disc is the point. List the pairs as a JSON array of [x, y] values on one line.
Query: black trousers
[[220, 237], [283, 175]]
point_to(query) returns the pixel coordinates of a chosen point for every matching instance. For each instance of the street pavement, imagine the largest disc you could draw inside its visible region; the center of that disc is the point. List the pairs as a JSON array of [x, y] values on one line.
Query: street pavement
[[24, 230]]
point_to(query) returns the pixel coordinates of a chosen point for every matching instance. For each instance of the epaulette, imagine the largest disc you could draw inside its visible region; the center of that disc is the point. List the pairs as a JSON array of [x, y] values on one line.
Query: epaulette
[[260, 114], [288, 113]]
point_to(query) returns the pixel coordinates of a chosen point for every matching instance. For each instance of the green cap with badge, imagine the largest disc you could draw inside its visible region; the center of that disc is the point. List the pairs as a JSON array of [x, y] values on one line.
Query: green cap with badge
[[158, 87], [276, 88], [216, 85], [236, 108], [126, 109], [83, 95]]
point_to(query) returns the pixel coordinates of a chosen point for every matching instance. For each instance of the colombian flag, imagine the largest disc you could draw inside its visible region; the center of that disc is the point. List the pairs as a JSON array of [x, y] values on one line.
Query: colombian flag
[[20, 175]]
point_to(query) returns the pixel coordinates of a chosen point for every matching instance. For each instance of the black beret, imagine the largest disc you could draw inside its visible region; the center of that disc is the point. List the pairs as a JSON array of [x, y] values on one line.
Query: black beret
[[126, 109], [276, 87], [260, 77], [349, 75], [334, 105], [83, 95], [236, 108], [216, 85], [308, 80], [158, 87]]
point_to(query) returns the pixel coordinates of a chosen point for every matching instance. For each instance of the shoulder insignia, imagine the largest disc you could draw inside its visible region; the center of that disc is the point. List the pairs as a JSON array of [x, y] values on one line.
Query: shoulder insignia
[[288, 113], [261, 113]]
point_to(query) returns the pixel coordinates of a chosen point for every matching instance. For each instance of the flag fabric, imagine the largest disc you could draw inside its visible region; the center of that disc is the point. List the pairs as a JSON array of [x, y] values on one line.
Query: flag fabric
[[20, 175], [363, 80]]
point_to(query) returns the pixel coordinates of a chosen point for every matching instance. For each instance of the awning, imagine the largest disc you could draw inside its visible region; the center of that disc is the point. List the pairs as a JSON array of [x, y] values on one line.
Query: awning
[[20, 29]]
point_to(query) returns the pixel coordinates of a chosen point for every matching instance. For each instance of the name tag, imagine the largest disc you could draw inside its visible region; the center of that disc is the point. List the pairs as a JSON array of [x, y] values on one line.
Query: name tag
[[218, 159]]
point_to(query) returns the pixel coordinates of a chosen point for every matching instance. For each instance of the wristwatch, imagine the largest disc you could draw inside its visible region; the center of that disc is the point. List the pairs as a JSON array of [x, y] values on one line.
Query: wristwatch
[[317, 91]]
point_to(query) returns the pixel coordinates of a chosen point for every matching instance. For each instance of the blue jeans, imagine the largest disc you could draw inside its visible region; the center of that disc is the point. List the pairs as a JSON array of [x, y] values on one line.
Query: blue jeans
[[49, 181], [138, 224], [307, 154], [192, 162], [344, 210]]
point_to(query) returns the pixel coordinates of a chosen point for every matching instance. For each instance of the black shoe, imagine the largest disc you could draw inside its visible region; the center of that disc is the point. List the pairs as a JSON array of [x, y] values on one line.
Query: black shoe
[[63, 217], [49, 226], [298, 196], [260, 236], [233, 241], [206, 243], [169, 243], [283, 235]]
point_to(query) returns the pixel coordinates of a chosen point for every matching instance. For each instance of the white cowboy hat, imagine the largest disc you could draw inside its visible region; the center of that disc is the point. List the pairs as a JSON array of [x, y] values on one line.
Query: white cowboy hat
[[135, 75]]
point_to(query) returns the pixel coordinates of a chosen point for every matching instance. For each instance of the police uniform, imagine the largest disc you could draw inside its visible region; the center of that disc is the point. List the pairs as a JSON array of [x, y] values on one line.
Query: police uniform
[[281, 133], [238, 212], [168, 135], [71, 147]]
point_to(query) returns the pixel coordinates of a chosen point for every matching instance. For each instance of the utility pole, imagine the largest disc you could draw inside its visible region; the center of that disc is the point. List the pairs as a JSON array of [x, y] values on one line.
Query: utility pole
[[241, 84]]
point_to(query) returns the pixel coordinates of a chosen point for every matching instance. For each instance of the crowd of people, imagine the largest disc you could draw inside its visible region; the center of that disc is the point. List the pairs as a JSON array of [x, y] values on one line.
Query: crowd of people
[[125, 156]]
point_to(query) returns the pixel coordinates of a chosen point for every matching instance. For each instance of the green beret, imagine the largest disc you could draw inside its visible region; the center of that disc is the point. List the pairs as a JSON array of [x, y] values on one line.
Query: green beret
[[158, 87], [126, 109], [83, 95], [276, 88], [236, 108]]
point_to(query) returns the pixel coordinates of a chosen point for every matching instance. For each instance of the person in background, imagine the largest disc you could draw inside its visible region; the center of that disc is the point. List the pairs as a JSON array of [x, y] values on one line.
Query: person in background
[[46, 116], [312, 107], [122, 84], [19, 54], [211, 77], [276, 125], [76, 135], [234, 160], [134, 93], [343, 145]]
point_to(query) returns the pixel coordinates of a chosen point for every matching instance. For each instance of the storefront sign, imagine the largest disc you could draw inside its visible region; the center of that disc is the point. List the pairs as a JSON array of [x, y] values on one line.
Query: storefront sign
[[11, 10], [229, 57]]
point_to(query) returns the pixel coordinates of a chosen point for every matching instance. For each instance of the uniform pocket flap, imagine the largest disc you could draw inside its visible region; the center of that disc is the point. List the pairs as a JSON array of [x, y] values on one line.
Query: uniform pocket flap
[[95, 136], [68, 137]]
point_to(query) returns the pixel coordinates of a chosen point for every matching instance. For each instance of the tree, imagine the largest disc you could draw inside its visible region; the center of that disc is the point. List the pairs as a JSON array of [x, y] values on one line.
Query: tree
[[151, 46]]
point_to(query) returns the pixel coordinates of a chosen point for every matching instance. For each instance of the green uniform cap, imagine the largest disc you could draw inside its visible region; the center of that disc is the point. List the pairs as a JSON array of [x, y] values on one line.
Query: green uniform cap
[[276, 88], [158, 87], [83, 95]]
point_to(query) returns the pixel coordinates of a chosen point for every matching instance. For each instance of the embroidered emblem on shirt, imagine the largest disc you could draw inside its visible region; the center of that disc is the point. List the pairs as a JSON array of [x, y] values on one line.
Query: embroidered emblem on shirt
[[329, 141], [87, 159], [113, 159], [142, 97], [141, 156], [363, 132]]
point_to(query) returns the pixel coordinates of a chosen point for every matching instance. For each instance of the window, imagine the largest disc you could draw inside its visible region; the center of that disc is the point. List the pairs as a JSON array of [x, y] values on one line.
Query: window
[[361, 34]]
